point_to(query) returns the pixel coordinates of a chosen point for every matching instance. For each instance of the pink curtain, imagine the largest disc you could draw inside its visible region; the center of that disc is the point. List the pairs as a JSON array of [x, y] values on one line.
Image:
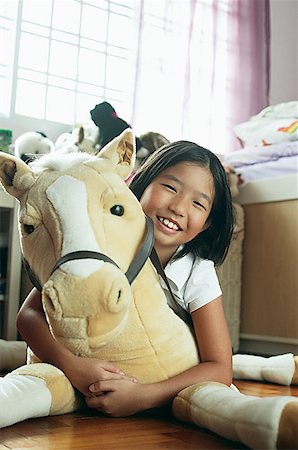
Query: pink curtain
[[202, 68]]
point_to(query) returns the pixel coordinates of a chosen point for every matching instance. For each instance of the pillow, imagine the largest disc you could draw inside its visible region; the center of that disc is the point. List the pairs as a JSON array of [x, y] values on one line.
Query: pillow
[[272, 125]]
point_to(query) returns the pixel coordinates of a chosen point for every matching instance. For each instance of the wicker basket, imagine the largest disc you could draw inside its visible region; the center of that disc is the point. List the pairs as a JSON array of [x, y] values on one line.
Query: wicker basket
[[229, 274]]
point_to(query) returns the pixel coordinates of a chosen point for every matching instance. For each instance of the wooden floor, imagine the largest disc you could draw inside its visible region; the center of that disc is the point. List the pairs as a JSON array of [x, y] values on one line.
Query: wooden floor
[[156, 431]]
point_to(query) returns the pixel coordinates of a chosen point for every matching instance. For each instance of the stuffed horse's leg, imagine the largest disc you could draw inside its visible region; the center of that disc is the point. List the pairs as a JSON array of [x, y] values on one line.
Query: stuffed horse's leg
[[281, 369], [12, 354], [23, 397], [258, 423], [35, 390]]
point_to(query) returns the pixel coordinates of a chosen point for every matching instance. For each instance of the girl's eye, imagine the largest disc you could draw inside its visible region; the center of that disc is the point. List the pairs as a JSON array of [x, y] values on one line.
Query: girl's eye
[[28, 229], [170, 187], [200, 205], [117, 210]]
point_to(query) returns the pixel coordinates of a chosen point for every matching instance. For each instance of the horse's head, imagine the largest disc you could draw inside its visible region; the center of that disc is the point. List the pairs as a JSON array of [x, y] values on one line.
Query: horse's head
[[79, 202]]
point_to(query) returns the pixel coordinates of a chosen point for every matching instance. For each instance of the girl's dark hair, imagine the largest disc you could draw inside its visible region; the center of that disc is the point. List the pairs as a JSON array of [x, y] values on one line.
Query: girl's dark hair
[[212, 243]]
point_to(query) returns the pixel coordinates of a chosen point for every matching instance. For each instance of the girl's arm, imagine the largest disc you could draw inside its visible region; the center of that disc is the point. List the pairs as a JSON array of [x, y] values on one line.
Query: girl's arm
[[81, 372], [124, 398]]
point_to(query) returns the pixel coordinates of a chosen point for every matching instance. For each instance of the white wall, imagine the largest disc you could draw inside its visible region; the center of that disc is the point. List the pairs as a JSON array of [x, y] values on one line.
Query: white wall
[[21, 124], [284, 51]]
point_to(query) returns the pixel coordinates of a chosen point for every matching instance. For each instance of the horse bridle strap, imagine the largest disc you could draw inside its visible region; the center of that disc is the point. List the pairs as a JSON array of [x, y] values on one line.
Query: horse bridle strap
[[82, 254], [132, 272], [182, 313]]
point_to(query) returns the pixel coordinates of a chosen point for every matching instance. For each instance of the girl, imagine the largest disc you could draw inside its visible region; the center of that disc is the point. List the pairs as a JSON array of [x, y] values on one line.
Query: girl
[[183, 188]]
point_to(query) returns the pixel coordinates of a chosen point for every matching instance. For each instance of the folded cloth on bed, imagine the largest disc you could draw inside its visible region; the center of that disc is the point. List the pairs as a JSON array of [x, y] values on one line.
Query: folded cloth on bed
[[255, 155], [269, 169], [279, 111], [264, 162], [272, 125]]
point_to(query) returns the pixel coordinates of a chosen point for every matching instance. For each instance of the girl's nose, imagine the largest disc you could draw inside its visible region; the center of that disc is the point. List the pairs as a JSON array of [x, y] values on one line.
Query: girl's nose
[[178, 207]]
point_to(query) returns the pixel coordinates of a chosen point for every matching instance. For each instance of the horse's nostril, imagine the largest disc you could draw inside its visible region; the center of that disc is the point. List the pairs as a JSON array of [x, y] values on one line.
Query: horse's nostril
[[51, 301], [50, 304], [118, 296]]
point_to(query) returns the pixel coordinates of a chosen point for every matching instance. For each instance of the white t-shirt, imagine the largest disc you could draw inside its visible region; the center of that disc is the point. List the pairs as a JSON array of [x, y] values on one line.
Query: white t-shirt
[[193, 282]]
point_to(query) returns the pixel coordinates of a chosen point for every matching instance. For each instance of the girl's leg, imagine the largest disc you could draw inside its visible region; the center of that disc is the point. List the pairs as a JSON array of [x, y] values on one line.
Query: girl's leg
[[35, 390], [281, 369], [12, 354], [256, 422]]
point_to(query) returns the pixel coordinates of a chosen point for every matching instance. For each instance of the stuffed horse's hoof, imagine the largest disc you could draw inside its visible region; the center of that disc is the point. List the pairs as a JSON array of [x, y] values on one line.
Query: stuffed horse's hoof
[[280, 369], [259, 423], [23, 397], [288, 427], [63, 395]]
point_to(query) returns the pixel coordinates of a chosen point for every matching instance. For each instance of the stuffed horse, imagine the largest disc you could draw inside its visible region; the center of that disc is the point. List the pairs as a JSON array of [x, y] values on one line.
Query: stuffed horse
[[110, 307]]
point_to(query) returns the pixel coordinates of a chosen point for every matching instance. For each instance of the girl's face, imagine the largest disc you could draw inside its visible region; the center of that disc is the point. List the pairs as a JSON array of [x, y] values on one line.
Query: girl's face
[[178, 201]]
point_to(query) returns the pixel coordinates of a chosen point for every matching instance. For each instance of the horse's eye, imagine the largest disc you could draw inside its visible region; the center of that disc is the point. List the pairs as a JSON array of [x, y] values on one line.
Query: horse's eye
[[28, 228], [117, 210]]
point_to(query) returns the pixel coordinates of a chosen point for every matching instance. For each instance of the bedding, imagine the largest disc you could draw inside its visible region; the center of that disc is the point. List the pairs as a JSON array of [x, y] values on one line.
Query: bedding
[[274, 124], [261, 162], [269, 144]]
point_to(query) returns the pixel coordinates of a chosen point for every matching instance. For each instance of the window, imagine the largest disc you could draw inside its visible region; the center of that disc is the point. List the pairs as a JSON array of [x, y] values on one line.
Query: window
[[177, 67], [8, 14], [68, 55]]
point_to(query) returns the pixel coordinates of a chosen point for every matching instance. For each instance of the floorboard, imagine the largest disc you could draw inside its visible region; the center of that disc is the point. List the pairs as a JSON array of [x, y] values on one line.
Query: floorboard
[[148, 431]]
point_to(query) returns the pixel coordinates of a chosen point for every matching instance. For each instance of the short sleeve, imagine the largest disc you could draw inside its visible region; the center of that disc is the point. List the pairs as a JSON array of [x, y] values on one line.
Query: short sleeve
[[202, 285]]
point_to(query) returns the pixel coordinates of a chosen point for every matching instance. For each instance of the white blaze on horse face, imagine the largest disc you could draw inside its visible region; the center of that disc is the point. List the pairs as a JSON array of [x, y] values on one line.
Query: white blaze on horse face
[[69, 199]]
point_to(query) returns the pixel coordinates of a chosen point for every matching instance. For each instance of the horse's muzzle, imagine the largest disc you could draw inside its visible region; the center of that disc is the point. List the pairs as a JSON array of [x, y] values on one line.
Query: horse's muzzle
[[101, 301]]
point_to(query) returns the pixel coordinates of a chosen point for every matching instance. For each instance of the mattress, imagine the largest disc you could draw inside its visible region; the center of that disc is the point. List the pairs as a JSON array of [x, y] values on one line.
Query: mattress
[[275, 189]]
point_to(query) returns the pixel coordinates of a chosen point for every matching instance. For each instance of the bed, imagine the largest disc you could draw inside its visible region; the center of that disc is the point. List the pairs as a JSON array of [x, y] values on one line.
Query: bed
[[269, 295], [269, 197]]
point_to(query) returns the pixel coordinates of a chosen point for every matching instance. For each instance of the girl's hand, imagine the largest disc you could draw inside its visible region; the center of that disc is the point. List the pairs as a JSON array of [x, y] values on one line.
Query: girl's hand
[[83, 372], [118, 398]]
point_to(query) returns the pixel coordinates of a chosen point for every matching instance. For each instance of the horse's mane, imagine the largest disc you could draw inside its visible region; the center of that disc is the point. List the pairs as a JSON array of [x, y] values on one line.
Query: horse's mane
[[60, 161]]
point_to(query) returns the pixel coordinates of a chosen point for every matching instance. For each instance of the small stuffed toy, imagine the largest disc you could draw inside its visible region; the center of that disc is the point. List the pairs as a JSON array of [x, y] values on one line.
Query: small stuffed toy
[[234, 180], [151, 141], [31, 144], [110, 125], [83, 138]]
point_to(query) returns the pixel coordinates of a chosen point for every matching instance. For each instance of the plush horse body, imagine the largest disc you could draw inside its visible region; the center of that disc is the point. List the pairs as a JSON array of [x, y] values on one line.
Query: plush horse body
[[79, 202]]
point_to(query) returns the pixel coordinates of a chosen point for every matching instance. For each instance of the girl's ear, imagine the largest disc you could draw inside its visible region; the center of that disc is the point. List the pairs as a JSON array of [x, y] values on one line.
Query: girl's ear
[[207, 224]]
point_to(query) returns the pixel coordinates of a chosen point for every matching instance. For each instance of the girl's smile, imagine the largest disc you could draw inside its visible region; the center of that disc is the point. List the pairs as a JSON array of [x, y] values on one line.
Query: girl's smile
[[178, 201], [168, 224]]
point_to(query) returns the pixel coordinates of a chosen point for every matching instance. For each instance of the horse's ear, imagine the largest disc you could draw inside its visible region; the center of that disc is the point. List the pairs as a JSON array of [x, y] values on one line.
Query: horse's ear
[[15, 176], [121, 151]]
